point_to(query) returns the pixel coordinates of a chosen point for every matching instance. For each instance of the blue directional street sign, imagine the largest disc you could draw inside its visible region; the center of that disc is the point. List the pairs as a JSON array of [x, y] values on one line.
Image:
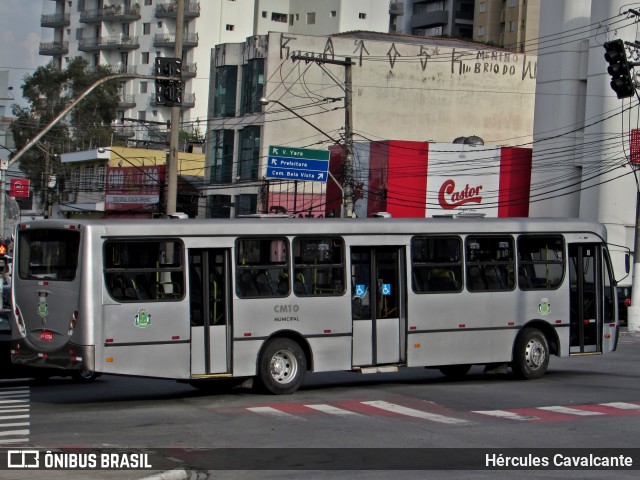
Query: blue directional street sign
[[289, 163]]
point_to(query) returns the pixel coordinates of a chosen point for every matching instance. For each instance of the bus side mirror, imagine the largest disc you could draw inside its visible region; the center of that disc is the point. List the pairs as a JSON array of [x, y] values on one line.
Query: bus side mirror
[[627, 263]]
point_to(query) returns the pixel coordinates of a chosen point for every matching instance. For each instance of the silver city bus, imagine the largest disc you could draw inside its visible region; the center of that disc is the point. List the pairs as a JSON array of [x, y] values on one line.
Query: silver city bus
[[199, 300]]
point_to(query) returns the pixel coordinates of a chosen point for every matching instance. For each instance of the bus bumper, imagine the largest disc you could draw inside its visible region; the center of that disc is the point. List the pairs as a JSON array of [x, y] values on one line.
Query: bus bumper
[[69, 357]]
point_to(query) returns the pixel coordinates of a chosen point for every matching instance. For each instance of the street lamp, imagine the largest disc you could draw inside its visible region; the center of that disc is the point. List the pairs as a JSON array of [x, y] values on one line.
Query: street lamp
[[267, 101]]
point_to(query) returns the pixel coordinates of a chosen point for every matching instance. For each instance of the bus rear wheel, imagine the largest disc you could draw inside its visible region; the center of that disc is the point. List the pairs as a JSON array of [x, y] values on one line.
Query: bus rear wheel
[[531, 355], [282, 366]]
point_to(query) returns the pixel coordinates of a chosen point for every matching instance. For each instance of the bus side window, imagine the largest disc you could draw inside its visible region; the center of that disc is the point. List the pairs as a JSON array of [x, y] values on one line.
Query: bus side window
[[318, 266], [262, 267], [436, 264]]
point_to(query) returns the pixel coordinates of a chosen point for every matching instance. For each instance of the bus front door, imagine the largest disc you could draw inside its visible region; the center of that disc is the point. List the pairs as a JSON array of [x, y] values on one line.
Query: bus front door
[[585, 275], [209, 311], [377, 307]]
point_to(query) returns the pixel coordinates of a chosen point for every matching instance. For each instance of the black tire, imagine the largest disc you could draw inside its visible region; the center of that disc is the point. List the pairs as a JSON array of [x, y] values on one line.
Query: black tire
[[282, 366], [530, 355], [84, 376], [454, 371]]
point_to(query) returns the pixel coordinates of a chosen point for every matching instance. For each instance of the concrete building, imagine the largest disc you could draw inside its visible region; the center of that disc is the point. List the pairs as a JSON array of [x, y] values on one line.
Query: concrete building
[[404, 88], [125, 182], [130, 34], [511, 24], [432, 18], [582, 131]]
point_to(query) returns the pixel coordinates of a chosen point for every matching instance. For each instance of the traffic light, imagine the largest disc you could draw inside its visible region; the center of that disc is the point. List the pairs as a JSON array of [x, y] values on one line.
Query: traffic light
[[3, 258], [168, 92], [619, 69]]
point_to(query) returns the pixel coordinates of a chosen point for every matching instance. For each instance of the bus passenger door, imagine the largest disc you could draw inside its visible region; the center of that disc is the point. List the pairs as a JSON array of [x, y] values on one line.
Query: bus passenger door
[[585, 276], [209, 311], [377, 307]]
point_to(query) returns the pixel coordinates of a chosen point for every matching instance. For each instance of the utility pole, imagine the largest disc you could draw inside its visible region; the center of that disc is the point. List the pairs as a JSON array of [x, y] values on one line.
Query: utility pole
[[172, 165], [347, 179]]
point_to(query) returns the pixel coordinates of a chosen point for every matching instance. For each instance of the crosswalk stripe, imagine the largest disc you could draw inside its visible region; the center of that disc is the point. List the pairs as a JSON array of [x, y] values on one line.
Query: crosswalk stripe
[[7, 441], [622, 405], [14, 432], [13, 410], [506, 414], [569, 411], [13, 401], [272, 412], [331, 409], [399, 409]]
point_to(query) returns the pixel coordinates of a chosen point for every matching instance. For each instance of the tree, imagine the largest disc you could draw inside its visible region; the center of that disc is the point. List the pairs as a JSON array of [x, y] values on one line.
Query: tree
[[49, 91]]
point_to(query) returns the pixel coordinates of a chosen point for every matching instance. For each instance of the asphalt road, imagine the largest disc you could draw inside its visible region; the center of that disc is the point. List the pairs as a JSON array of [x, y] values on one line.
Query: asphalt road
[[587, 403]]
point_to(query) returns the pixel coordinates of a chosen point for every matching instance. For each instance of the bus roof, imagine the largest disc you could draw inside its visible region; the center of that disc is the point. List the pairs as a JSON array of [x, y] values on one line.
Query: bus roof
[[341, 226]]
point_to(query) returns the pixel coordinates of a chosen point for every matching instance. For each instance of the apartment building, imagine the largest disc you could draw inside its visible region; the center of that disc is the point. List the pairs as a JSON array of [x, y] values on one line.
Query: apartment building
[[432, 18], [129, 34], [511, 24]]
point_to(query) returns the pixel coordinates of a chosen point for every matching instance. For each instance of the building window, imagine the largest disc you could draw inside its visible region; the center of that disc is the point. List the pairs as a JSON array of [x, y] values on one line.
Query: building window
[[146, 28], [222, 162], [219, 206], [279, 17], [333, 13], [481, 31], [362, 16], [148, 2], [224, 102], [249, 153], [100, 178], [513, 3], [512, 25], [483, 7], [246, 204], [311, 18], [87, 179], [159, 25], [145, 58], [143, 87], [252, 85], [142, 115], [230, 28], [264, 14]]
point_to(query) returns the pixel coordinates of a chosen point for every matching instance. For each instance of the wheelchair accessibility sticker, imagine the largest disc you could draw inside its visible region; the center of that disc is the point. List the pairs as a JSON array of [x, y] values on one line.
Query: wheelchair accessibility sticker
[[361, 290]]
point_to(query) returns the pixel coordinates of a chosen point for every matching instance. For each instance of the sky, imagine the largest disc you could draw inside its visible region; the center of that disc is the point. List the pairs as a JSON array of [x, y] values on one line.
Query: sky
[[20, 37]]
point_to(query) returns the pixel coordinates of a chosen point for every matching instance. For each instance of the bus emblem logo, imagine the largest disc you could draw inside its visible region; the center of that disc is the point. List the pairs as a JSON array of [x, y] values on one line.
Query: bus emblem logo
[[143, 318], [544, 307], [43, 306]]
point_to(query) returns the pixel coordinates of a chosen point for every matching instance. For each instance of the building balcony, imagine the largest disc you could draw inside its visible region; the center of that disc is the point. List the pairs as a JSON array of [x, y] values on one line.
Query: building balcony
[[54, 20], [396, 8], [112, 13], [54, 48], [127, 100], [168, 40], [170, 10], [110, 42], [430, 19]]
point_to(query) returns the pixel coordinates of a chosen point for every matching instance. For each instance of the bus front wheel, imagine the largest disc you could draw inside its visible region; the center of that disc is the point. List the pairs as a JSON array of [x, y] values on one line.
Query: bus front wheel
[[531, 355], [282, 366]]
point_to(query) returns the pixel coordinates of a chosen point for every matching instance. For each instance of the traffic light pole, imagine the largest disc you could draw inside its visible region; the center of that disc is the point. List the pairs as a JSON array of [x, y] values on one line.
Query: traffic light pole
[[174, 134]]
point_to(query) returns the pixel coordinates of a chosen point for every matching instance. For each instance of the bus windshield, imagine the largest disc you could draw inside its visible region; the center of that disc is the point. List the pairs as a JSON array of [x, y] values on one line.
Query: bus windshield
[[48, 254]]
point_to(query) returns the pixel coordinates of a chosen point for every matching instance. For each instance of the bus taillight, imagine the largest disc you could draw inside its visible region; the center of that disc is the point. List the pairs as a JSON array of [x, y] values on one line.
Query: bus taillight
[[73, 323], [23, 330]]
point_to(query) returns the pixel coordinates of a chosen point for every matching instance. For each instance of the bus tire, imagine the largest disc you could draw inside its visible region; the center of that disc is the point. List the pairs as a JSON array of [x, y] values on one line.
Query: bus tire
[[454, 371], [84, 376], [530, 355], [282, 366]]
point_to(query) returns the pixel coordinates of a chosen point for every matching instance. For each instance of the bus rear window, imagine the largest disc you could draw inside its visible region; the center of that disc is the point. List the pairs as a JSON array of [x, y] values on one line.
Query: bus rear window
[[48, 254]]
